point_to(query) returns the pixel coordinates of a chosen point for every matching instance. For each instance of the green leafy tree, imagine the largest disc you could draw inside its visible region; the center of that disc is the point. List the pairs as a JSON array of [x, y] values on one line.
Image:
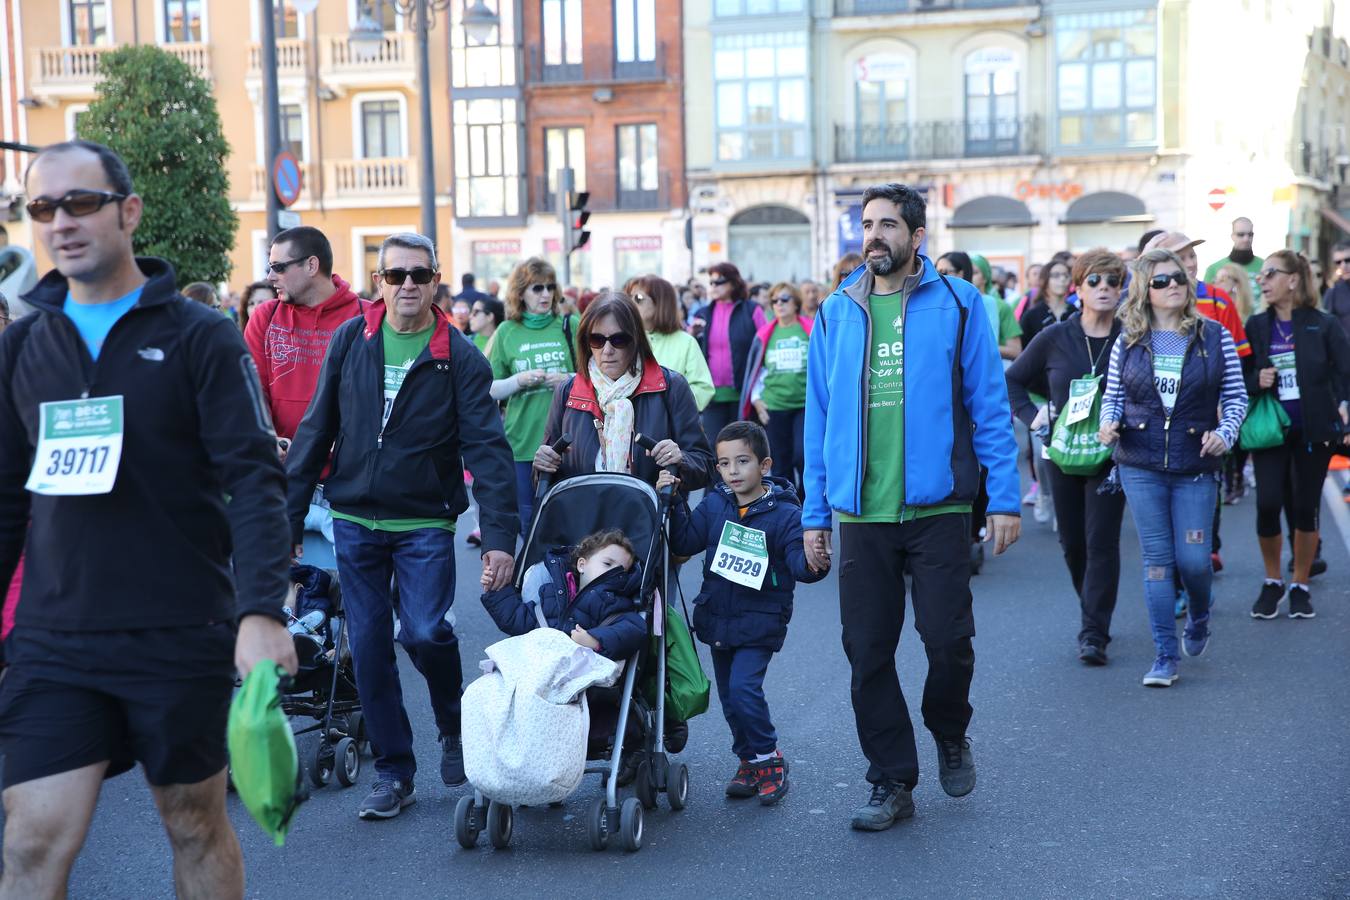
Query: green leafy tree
[[162, 119]]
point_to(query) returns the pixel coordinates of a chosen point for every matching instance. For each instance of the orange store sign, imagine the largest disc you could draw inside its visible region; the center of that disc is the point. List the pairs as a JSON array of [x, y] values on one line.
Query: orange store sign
[[1064, 190]]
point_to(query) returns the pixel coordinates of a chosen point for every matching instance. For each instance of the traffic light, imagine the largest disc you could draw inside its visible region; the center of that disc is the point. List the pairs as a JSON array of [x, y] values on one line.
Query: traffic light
[[572, 209]]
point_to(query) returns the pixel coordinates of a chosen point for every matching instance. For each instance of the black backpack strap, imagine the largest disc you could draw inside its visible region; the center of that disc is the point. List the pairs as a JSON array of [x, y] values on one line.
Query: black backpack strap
[[961, 332], [567, 338]]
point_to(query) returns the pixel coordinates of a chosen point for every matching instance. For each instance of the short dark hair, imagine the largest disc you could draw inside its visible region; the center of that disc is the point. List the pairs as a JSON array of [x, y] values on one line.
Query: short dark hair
[[308, 241], [114, 168], [1148, 236], [753, 433], [961, 261], [1100, 260], [913, 208], [594, 543], [201, 292], [732, 274], [466, 280], [1340, 245], [493, 307]]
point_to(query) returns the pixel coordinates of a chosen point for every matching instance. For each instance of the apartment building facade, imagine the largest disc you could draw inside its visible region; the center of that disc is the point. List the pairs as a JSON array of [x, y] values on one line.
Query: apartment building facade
[[349, 118], [1030, 126], [590, 85]]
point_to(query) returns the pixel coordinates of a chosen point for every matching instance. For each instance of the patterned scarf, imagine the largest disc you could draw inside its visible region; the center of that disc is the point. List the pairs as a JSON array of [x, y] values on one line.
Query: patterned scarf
[[616, 433]]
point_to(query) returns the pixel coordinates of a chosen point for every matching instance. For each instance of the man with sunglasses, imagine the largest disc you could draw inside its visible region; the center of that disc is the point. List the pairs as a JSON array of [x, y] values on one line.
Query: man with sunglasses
[[396, 488], [1241, 255], [131, 621]]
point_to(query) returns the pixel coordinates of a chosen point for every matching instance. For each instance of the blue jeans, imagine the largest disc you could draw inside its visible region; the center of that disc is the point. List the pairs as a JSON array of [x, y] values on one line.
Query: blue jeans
[[525, 495], [424, 562], [740, 686], [1173, 514]]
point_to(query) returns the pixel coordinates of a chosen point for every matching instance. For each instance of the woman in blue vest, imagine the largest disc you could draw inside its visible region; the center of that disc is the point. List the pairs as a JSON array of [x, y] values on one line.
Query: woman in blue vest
[[1301, 355], [1175, 400]]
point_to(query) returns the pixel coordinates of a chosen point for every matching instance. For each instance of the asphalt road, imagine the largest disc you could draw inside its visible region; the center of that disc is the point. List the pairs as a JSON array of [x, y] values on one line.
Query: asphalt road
[[1233, 783]]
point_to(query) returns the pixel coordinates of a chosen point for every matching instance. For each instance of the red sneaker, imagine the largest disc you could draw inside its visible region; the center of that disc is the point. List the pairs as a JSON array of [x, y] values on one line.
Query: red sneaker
[[745, 783], [773, 778]]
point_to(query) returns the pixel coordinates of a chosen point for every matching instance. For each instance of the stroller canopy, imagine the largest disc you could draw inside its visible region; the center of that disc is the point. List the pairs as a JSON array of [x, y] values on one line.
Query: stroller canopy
[[585, 504]]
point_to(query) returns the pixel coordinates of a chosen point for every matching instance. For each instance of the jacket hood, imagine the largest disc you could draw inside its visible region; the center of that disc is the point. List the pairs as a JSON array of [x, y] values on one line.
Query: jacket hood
[[620, 582], [780, 491], [161, 286], [341, 296], [982, 264]]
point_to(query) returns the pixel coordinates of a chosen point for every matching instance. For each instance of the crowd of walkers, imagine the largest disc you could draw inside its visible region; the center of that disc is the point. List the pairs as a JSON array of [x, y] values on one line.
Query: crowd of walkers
[[880, 406]]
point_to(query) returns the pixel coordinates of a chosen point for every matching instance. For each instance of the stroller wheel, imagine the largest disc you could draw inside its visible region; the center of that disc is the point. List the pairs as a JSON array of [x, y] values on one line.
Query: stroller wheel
[[630, 824], [348, 762], [643, 786], [321, 766], [677, 787], [499, 821], [356, 729], [597, 824], [466, 825]]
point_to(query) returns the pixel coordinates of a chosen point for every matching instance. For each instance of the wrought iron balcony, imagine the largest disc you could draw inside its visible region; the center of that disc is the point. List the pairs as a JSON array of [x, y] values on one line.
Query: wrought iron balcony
[[593, 71], [609, 193], [938, 139], [892, 7]]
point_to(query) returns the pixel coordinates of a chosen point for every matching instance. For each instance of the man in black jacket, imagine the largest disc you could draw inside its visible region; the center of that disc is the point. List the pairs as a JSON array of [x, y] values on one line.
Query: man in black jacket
[[134, 418], [395, 486]]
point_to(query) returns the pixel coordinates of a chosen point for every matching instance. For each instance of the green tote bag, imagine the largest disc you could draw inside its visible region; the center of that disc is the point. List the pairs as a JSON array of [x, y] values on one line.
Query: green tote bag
[[1266, 424]]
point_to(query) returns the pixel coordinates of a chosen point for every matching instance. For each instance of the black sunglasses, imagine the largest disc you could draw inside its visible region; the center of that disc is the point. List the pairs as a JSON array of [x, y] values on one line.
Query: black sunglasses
[[718, 282], [419, 275], [783, 299], [618, 340], [1095, 279], [1272, 271], [76, 203], [1158, 282], [278, 268], [543, 288]]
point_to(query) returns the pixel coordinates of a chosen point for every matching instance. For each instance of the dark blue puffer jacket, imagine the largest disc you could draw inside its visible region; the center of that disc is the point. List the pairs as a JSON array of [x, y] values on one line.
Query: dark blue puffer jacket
[[727, 614], [606, 608]]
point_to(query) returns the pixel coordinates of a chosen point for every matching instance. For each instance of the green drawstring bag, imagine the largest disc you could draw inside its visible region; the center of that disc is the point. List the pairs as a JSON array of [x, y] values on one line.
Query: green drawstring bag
[[1266, 424], [687, 688], [1074, 446], [263, 762]]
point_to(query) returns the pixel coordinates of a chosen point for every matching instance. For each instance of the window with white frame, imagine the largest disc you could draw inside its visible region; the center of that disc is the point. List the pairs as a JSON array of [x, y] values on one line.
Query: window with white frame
[[287, 19], [381, 128], [293, 129], [992, 81], [1106, 78], [730, 8], [761, 99], [383, 12], [564, 148], [487, 158], [881, 105], [182, 21], [87, 22], [639, 177]]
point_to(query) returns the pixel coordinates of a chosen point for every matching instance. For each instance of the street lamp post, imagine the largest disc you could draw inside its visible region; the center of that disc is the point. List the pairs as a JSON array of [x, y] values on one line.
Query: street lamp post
[[366, 38]]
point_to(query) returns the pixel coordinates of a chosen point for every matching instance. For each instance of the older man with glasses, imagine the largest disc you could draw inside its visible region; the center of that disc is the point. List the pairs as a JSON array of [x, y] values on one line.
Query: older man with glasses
[[396, 488]]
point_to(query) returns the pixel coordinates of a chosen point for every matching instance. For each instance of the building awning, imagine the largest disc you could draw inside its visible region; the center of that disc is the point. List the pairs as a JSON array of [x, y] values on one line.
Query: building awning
[[1106, 207], [991, 211], [1338, 217]]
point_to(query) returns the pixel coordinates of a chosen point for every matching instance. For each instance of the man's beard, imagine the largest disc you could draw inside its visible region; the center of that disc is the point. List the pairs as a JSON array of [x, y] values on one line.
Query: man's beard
[[1242, 257], [891, 261]]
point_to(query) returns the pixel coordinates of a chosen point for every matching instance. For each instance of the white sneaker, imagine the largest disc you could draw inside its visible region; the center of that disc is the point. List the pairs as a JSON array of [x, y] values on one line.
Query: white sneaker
[[1044, 511]]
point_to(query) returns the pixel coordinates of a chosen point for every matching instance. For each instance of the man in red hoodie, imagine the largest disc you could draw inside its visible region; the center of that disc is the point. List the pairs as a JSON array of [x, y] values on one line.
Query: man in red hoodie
[[288, 337]]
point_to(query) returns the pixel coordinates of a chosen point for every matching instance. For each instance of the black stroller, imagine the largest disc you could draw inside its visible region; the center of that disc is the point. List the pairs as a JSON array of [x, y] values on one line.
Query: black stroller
[[570, 510], [324, 686]]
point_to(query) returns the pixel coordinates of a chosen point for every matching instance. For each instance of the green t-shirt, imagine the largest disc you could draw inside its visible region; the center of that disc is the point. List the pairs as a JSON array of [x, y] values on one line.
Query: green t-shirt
[[785, 368], [1002, 319], [883, 488], [724, 394], [1252, 268], [480, 341], [517, 348], [400, 352]]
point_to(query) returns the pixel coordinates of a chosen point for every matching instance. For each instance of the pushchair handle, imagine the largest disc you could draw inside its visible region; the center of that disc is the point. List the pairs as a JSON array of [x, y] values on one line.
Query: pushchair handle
[[545, 481], [646, 442]]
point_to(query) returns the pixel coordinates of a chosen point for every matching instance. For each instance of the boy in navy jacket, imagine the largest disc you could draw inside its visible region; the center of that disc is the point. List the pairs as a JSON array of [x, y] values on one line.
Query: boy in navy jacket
[[590, 592], [750, 529]]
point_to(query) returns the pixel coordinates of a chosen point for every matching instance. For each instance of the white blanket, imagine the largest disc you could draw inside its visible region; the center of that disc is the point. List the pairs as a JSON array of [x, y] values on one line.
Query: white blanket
[[525, 721]]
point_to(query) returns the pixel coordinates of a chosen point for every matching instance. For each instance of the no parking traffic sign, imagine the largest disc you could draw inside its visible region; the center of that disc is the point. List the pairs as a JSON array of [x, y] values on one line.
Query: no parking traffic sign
[[286, 178]]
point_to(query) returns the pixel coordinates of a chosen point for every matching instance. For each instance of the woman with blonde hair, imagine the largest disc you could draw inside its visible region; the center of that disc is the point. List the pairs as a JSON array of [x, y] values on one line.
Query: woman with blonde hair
[[1301, 356], [1170, 374], [1233, 279], [673, 347], [531, 353]]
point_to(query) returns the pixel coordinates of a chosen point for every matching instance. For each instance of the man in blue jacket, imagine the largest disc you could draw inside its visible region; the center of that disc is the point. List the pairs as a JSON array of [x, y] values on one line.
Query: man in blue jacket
[[402, 403], [905, 401]]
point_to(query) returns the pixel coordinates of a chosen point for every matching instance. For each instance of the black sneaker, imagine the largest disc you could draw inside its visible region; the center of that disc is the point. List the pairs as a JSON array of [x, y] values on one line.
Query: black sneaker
[[1300, 603], [1267, 606], [956, 766], [773, 779], [386, 799], [1091, 654], [890, 802], [676, 736], [745, 783], [452, 760], [1318, 567]]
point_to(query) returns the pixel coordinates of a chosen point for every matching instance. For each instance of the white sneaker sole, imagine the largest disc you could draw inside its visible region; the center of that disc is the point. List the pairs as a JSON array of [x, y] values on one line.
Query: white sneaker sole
[[381, 814], [1158, 681], [1275, 612], [1185, 652]]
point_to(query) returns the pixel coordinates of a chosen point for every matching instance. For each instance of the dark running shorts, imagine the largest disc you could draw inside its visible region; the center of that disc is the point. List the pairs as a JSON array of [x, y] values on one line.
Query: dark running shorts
[[159, 697]]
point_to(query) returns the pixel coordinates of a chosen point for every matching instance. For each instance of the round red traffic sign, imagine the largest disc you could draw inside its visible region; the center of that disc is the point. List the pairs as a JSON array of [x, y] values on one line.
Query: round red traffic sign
[[287, 179], [1217, 198]]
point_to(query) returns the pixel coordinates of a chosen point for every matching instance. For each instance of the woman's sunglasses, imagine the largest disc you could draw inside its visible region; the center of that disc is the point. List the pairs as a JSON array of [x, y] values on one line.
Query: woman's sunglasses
[[1271, 272], [419, 275], [543, 288], [717, 282], [75, 203], [1095, 279], [786, 298], [618, 340], [1158, 282]]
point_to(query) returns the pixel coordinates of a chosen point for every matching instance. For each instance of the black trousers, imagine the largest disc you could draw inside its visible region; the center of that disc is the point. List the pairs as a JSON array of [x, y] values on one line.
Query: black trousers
[[785, 444], [717, 416], [1289, 478], [872, 560], [1089, 533]]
